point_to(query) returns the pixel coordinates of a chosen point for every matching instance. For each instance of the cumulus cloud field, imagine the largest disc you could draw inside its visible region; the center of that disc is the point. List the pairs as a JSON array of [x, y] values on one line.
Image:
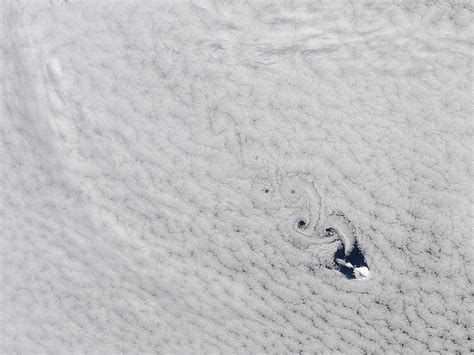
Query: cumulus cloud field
[[206, 177]]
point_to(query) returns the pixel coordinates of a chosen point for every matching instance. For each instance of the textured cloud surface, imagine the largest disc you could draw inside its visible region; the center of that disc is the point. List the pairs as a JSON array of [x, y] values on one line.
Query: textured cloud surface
[[202, 176]]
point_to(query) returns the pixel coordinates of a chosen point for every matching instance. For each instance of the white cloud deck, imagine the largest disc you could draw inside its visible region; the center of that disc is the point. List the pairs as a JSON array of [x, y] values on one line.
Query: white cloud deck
[[157, 158]]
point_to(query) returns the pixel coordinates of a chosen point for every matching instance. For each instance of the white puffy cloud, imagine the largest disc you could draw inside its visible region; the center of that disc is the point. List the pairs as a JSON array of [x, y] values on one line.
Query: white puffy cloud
[[158, 160]]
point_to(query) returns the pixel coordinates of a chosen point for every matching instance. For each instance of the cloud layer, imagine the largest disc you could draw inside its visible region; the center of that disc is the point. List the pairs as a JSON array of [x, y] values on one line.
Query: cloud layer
[[158, 159]]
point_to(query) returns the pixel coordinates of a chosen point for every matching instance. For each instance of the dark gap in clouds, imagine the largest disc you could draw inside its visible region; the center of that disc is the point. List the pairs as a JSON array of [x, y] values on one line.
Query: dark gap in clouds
[[355, 257]]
